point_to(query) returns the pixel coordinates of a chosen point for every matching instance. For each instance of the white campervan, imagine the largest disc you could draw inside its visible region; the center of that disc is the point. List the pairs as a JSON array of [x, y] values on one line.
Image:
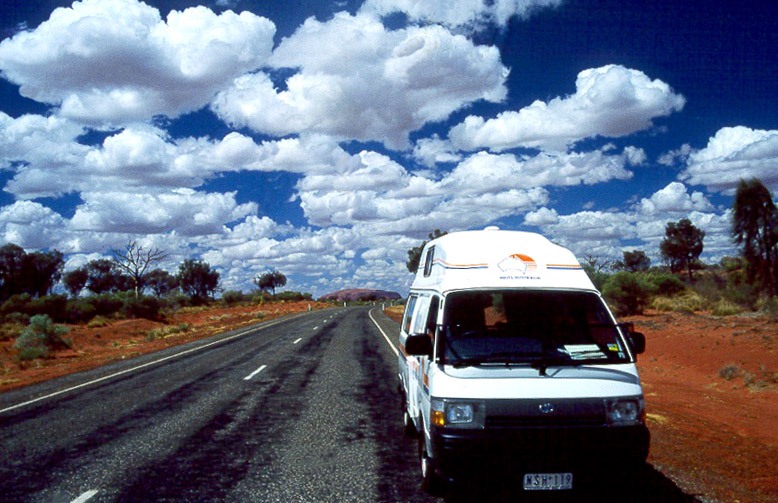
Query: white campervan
[[510, 360]]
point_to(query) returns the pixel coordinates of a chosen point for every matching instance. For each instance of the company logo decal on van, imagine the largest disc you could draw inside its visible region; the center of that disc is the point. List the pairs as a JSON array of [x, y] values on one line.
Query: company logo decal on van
[[518, 266]]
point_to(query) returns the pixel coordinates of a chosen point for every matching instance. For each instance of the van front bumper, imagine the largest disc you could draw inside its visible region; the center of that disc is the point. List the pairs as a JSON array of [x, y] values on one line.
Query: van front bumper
[[460, 452]]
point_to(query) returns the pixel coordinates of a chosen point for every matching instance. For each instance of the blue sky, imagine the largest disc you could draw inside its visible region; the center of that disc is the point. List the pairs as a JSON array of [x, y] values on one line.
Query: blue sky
[[326, 138]]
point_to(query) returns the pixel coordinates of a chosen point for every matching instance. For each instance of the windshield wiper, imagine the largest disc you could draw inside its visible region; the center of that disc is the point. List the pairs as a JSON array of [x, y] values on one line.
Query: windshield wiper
[[504, 358]]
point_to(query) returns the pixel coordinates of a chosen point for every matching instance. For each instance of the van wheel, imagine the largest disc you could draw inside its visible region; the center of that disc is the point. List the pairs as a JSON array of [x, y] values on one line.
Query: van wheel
[[431, 482]]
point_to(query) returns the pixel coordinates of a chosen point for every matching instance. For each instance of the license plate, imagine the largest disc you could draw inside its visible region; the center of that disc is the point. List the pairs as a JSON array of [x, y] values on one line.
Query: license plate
[[548, 481]]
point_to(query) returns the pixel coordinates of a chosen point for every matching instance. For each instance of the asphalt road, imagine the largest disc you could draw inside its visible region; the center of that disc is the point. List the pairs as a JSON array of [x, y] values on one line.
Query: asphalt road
[[303, 409]]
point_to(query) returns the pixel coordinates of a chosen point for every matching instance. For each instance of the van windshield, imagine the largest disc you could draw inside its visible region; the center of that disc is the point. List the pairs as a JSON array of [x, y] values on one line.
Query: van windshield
[[539, 328]]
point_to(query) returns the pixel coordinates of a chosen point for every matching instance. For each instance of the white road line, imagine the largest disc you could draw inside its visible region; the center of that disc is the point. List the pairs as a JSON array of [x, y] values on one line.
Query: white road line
[[85, 497], [260, 369], [388, 340], [133, 369], [298, 340]]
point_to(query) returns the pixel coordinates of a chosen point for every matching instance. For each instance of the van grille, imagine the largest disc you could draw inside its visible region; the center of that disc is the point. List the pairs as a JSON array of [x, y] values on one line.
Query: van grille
[[502, 422]]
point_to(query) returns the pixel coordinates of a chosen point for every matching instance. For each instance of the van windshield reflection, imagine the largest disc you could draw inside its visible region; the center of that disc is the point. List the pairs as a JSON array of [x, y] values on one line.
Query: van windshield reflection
[[536, 327]]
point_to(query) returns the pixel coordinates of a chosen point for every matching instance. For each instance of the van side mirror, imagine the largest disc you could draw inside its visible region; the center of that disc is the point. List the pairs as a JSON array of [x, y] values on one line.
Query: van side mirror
[[635, 339], [418, 345], [638, 341]]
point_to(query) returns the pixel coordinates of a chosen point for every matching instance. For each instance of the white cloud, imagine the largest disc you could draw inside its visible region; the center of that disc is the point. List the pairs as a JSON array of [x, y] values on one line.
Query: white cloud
[[116, 61], [735, 153], [458, 13], [433, 151], [184, 211], [611, 101], [674, 200], [357, 80], [30, 225]]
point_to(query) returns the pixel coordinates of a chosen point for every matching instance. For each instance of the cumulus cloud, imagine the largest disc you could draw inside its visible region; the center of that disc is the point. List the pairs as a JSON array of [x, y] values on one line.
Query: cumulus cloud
[[184, 211], [116, 61], [734, 153], [355, 79], [611, 101], [30, 225], [674, 199], [458, 13]]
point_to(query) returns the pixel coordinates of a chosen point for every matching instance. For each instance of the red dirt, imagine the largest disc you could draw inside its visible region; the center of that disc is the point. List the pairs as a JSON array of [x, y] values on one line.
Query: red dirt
[[715, 436]]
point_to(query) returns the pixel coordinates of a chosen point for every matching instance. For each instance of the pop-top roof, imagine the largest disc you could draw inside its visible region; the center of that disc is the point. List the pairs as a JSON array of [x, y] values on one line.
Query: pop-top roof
[[492, 258]]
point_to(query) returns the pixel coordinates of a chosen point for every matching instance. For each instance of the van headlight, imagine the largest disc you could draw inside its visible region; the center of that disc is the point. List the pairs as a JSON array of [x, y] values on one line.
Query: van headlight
[[448, 413], [625, 411]]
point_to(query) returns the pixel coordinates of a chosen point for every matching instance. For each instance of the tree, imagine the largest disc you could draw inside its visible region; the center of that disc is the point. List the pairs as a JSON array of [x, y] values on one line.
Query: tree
[[682, 246], [11, 257], [41, 271], [755, 230], [103, 277], [634, 261], [270, 281], [161, 282], [414, 254], [75, 280], [135, 260], [197, 279], [33, 273]]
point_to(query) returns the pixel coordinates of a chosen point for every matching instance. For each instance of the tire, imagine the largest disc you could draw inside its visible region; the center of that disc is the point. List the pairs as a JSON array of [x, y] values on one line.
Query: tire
[[431, 481]]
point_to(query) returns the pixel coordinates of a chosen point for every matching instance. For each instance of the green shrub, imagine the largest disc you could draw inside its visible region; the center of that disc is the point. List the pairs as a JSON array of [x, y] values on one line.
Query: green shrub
[[98, 322], [726, 308], [688, 302], [628, 293], [40, 337], [145, 307], [11, 330], [54, 306], [161, 333], [232, 297], [80, 311], [666, 283]]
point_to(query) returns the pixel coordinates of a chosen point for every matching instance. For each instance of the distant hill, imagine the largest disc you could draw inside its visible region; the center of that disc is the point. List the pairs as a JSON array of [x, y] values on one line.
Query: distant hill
[[354, 294]]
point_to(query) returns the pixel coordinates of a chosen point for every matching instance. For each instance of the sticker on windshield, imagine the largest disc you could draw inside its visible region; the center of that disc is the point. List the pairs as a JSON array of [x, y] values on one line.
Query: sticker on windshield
[[583, 351]]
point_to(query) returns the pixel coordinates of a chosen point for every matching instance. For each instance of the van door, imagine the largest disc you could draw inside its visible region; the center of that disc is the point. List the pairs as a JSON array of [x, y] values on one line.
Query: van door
[[415, 362]]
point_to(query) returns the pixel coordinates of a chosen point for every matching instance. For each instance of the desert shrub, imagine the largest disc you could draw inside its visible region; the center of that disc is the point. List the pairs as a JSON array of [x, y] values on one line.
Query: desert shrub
[[11, 330], [17, 319], [80, 311], [144, 307], [107, 304], [232, 297], [665, 283], [161, 333], [40, 337], [98, 321], [52, 305], [726, 308], [293, 296], [628, 293], [688, 302], [730, 371]]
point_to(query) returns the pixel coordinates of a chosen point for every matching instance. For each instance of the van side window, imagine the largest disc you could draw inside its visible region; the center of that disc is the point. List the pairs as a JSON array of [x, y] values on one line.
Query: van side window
[[408, 315], [428, 260], [432, 316]]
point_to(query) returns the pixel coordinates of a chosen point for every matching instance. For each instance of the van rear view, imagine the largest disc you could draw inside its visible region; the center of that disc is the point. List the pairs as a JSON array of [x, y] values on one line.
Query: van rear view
[[511, 361]]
